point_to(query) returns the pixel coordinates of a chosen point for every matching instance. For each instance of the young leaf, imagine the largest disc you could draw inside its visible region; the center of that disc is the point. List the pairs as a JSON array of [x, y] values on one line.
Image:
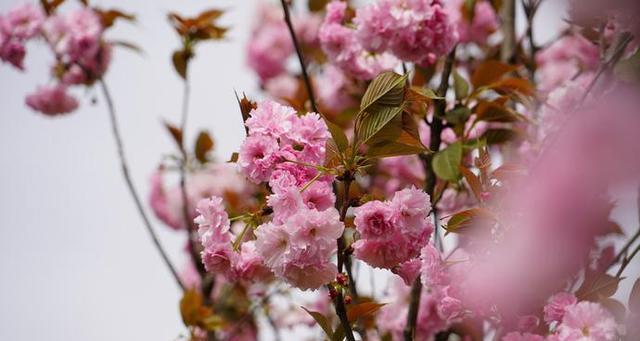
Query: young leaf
[[193, 312], [446, 162], [615, 307], [398, 137], [175, 132], [387, 89], [600, 286], [356, 311], [464, 219], [322, 321], [204, 144], [496, 112], [514, 85], [634, 298], [180, 61], [500, 135], [316, 5], [234, 157], [337, 135], [473, 181], [489, 72], [415, 93], [460, 86]]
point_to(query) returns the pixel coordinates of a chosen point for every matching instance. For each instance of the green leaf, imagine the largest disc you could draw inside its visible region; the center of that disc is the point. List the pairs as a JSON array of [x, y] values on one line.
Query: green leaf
[[322, 321], [338, 136], [398, 137], [458, 115], [446, 162], [634, 298], [204, 144], [418, 92], [464, 219], [629, 69], [370, 124], [387, 89], [460, 85], [500, 135]]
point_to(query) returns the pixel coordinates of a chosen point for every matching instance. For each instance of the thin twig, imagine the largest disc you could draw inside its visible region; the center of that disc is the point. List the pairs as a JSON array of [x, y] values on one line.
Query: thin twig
[[303, 66], [440, 106], [131, 187]]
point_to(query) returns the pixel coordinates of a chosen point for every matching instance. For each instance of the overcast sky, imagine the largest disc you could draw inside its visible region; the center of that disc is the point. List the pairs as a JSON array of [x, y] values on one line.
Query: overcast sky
[[75, 260]]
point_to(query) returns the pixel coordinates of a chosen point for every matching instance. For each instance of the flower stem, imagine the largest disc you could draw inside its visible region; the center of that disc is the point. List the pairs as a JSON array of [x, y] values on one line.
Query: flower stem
[[131, 187]]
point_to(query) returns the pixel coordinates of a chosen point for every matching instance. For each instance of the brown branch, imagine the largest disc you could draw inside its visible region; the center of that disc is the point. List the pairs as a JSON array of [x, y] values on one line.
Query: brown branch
[[129, 182], [508, 16], [303, 67], [440, 107]]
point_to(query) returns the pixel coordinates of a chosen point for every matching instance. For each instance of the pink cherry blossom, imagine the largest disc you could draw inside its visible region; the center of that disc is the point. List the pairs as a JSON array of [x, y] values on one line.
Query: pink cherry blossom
[[557, 306], [408, 271], [392, 232], [334, 89], [257, 156], [433, 270], [565, 59], [249, 265], [299, 251], [483, 24], [345, 50], [270, 44], [271, 119], [587, 321], [285, 204], [515, 336], [215, 236], [22, 22], [52, 100]]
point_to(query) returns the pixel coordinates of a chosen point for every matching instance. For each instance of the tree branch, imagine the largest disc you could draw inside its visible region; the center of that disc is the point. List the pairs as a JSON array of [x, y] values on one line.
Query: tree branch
[[131, 187], [305, 76], [440, 107], [508, 16]]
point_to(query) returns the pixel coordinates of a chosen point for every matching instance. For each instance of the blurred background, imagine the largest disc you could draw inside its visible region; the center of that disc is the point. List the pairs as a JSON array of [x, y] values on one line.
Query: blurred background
[[75, 260]]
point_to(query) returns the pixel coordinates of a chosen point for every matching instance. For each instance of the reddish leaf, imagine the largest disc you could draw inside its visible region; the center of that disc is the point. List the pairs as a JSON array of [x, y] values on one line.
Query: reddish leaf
[[204, 144], [322, 321], [193, 312], [356, 311], [175, 132], [634, 298], [600, 286], [490, 72], [180, 60], [473, 181], [108, 17]]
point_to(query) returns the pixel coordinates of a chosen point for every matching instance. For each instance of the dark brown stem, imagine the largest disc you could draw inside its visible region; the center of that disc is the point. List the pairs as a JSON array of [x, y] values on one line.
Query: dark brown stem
[[131, 187], [626, 261], [341, 309], [440, 107], [303, 65]]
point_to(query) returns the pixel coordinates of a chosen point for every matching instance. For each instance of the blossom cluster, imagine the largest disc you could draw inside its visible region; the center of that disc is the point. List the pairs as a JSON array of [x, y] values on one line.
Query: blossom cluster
[[384, 226], [75, 39]]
